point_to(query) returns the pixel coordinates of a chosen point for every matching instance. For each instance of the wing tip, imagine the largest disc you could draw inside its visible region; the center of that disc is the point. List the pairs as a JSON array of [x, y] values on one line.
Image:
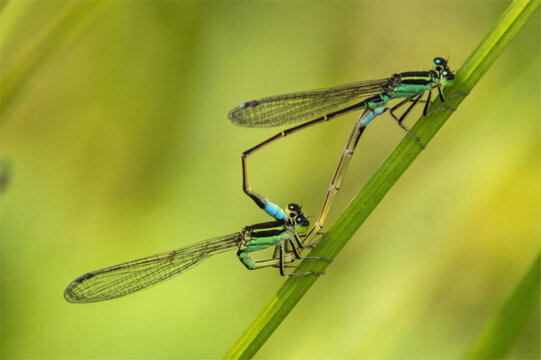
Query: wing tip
[[237, 117], [70, 295]]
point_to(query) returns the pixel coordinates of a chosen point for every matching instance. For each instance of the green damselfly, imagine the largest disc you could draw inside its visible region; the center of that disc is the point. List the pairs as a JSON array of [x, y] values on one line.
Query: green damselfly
[[129, 277], [322, 105]]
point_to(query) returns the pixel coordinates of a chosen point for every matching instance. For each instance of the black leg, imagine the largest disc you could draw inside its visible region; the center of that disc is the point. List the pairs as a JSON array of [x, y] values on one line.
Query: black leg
[[410, 133], [425, 110], [399, 105]]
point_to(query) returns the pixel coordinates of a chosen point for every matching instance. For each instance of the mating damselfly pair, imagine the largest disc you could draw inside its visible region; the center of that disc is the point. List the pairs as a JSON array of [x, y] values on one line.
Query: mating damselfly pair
[[289, 233]]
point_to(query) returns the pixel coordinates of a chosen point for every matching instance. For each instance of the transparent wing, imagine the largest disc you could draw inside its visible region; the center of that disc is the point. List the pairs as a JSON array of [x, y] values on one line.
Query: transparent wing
[[132, 276], [302, 106]]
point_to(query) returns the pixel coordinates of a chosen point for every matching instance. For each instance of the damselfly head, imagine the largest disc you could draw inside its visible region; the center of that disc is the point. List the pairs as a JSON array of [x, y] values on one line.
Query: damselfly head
[[301, 220], [447, 74], [447, 77], [301, 223], [439, 64], [296, 218], [292, 210]]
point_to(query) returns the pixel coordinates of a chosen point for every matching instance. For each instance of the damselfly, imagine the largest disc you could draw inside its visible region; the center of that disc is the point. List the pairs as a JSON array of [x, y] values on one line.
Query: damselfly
[[129, 277], [322, 105]]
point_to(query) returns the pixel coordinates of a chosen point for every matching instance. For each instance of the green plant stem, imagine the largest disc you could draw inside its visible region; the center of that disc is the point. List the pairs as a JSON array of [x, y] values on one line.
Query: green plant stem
[[505, 328], [294, 288]]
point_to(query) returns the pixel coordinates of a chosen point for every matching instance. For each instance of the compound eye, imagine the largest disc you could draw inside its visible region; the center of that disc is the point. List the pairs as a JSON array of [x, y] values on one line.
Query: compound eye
[[294, 207], [447, 74], [439, 64], [439, 61], [301, 220]]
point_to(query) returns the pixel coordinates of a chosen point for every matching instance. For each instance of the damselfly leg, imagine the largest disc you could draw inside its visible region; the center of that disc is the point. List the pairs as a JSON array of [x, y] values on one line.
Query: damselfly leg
[[322, 105]]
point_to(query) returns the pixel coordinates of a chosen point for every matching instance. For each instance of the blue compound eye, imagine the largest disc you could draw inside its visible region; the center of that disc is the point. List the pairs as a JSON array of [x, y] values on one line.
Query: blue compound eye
[[447, 74], [294, 207], [440, 61]]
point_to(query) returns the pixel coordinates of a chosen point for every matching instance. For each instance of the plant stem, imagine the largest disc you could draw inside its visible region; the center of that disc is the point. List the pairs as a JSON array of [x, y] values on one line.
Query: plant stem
[[294, 288], [507, 325]]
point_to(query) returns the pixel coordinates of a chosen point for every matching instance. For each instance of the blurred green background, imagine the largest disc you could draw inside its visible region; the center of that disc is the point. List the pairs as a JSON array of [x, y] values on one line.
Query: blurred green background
[[120, 147]]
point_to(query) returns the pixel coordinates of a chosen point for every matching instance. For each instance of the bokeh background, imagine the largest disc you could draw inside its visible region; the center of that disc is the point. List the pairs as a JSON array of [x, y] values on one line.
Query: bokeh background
[[119, 146]]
